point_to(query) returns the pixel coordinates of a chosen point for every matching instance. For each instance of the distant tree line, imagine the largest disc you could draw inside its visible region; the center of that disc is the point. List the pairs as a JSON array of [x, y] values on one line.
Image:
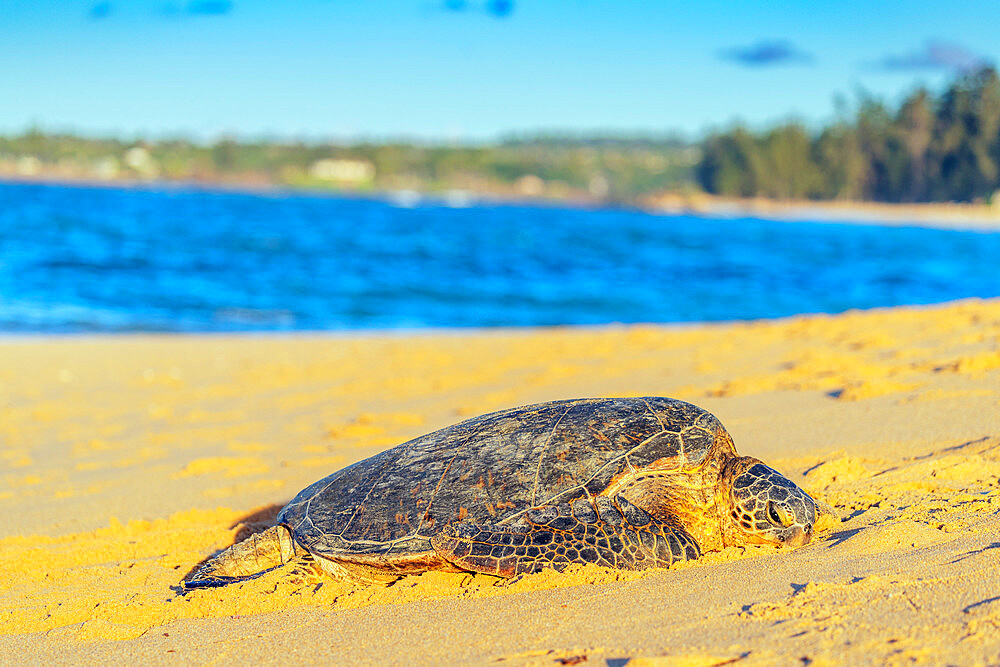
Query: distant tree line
[[560, 166], [930, 148]]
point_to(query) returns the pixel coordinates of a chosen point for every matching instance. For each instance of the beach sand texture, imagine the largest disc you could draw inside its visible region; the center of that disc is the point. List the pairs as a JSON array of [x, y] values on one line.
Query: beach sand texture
[[126, 461]]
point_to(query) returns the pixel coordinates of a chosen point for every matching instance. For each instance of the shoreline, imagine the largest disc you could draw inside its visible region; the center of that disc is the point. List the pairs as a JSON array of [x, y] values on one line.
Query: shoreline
[[41, 337], [936, 215], [126, 461]]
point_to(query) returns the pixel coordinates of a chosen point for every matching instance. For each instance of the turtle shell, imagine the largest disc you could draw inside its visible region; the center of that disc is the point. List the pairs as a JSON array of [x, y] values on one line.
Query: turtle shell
[[493, 468]]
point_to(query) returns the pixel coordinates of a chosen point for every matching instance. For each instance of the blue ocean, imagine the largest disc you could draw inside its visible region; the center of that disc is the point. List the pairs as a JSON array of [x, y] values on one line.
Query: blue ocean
[[75, 259]]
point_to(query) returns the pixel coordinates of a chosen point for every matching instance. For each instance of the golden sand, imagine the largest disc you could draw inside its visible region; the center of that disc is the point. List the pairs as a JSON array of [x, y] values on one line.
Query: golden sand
[[126, 461]]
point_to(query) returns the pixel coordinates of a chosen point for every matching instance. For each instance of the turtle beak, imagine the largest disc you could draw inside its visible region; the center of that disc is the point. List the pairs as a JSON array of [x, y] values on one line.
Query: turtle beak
[[798, 536]]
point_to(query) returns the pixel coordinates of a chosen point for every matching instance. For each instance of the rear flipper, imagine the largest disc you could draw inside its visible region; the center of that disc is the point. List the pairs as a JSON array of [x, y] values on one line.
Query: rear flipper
[[613, 533], [251, 557]]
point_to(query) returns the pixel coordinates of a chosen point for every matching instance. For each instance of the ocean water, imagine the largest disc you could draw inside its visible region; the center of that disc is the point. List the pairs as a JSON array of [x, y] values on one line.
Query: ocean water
[[76, 259]]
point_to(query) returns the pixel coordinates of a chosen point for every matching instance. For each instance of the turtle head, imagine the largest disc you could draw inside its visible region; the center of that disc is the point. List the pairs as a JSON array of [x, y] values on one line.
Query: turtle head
[[759, 505]]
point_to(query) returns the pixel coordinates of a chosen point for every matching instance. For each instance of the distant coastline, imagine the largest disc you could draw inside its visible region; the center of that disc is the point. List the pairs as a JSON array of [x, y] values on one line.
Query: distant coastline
[[938, 215], [454, 196]]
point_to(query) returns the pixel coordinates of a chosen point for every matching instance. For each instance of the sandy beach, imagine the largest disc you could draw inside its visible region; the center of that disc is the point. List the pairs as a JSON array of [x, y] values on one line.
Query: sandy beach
[[126, 461]]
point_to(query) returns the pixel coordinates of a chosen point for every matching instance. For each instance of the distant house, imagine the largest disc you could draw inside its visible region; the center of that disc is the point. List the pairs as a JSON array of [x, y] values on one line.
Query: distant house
[[28, 165], [530, 186], [139, 159], [105, 168], [343, 171]]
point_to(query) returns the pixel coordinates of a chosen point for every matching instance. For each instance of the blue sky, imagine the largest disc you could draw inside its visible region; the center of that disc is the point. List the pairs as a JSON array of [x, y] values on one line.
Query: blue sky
[[466, 69]]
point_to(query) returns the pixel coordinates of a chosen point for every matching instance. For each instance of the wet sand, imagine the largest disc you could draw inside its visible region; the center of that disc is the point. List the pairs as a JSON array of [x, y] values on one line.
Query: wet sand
[[126, 461]]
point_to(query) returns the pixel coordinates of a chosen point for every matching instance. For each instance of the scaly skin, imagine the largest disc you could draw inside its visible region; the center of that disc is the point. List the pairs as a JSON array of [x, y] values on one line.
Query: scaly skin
[[758, 505], [255, 555], [613, 533]]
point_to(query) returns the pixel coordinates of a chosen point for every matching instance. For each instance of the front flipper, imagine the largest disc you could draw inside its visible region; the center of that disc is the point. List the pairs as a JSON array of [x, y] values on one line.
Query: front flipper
[[613, 533]]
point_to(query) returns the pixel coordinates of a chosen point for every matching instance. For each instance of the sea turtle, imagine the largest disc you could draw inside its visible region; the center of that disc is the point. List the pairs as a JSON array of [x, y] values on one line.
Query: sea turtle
[[630, 483]]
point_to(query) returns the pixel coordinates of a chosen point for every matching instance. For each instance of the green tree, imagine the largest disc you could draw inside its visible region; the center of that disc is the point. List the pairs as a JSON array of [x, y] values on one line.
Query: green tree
[[841, 163], [965, 147], [732, 164], [915, 123], [789, 171]]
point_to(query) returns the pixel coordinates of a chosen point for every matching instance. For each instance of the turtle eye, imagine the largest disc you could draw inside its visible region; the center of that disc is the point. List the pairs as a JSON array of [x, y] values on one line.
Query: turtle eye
[[777, 517]]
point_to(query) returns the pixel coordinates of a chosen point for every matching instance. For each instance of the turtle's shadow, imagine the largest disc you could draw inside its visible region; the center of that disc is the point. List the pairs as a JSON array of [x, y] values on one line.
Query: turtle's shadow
[[255, 522]]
